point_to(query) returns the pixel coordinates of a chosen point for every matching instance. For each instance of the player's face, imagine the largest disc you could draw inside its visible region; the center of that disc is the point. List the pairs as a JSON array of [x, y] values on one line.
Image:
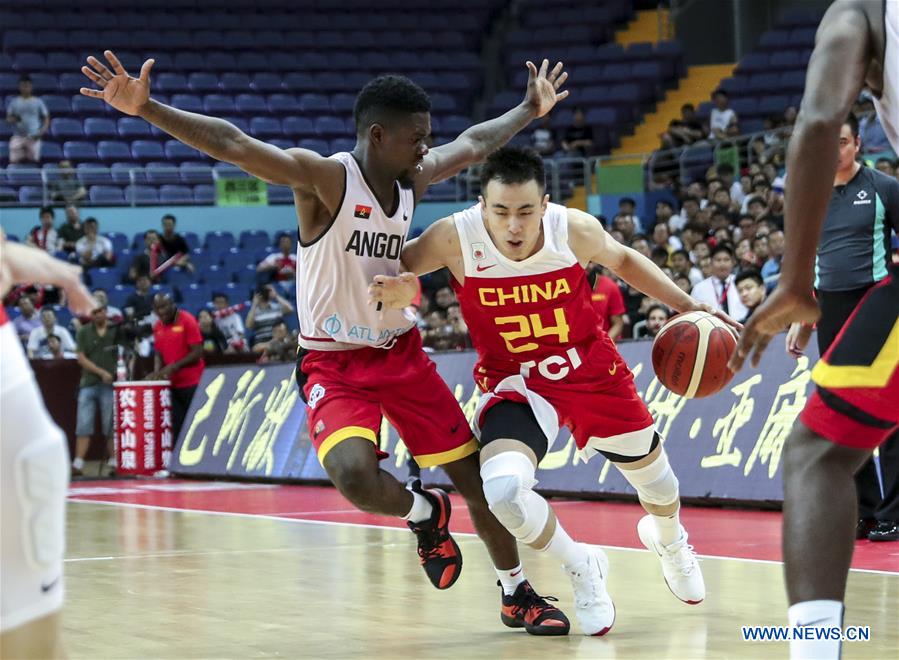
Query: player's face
[[404, 144], [849, 146], [513, 214]]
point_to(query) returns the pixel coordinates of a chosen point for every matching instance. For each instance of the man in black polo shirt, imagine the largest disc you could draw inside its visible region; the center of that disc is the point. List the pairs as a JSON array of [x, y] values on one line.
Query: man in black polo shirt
[[853, 255]]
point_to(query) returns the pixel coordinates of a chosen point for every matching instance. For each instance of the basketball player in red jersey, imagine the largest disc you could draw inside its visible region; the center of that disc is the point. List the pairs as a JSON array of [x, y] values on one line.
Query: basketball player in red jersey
[[855, 407], [354, 212], [34, 472], [544, 362]]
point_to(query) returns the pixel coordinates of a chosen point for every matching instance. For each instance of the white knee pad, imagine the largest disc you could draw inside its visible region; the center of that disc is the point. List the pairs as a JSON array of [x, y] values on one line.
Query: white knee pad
[[508, 481], [655, 483]]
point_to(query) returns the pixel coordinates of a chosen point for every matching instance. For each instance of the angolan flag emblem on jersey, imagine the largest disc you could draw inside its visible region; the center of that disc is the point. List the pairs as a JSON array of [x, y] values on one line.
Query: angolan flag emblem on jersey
[[362, 211]]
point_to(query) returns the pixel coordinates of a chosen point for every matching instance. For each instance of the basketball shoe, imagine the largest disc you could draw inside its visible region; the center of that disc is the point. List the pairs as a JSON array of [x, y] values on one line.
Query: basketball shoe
[[593, 605], [525, 609], [437, 551], [679, 564]]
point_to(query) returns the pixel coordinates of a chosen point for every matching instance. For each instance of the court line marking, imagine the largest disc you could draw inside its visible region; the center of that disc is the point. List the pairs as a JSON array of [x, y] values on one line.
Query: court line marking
[[235, 514]]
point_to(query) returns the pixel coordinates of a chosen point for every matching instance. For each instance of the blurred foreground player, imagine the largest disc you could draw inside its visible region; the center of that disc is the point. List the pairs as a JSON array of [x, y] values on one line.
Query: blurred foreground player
[[854, 408], [354, 211], [34, 473], [545, 361]]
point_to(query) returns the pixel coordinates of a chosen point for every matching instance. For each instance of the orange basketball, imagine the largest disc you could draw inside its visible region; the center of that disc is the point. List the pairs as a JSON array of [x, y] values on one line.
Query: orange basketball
[[691, 352]]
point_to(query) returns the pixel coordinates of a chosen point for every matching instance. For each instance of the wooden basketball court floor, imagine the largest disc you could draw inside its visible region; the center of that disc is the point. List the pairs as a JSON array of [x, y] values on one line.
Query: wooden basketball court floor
[[185, 569]]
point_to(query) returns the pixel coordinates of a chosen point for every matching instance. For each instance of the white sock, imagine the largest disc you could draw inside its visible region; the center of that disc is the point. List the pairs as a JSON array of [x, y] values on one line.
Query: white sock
[[668, 528], [78, 463], [565, 549], [820, 614], [421, 508], [510, 578]]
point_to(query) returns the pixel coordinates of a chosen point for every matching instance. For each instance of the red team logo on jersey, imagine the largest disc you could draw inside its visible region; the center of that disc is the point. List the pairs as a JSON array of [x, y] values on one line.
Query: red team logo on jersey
[[362, 211]]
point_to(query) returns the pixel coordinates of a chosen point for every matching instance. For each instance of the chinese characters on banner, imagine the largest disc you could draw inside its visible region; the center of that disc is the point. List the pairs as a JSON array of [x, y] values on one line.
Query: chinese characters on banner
[[143, 427]]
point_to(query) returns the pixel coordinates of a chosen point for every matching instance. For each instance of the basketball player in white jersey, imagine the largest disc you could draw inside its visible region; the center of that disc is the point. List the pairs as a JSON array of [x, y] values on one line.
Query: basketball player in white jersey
[[354, 212], [34, 472], [856, 404], [544, 361]]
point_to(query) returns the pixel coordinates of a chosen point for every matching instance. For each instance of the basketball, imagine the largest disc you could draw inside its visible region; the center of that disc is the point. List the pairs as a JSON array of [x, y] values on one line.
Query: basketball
[[691, 352]]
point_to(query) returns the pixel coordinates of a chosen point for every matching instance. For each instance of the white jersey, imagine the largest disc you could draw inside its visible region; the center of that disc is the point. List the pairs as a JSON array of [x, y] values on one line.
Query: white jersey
[[334, 271], [482, 259], [888, 104]]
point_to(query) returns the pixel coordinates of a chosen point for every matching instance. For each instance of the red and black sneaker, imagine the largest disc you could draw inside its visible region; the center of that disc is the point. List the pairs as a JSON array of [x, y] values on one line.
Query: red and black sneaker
[[437, 551], [526, 609]]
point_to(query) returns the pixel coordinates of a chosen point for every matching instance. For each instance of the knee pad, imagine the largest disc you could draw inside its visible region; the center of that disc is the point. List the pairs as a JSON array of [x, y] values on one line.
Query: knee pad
[[508, 481], [655, 483], [42, 477]]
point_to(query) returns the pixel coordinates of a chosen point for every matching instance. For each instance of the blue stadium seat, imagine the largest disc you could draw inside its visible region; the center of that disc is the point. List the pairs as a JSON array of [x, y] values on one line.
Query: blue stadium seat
[[220, 61], [330, 127], [160, 172], [254, 239], [775, 40], [267, 83], [171, 83], [246, 275], [219, 241], [118, 294], [93, 174], [784, 60], [202, 260], [280, 195], [218, 104], [753, 63], [299, 83], [195, 296], [141, 195], [57, 105], [31, 195], [122, 172], [314, 103], [792, 81], [265, 127], [188, 102], [65, 128], [192, 239], [194, 172], [50, 152], [176, 194], [235, 83], [298, 127], [178, 151], [106, 195], [113, 150], [204, 194], [251, 104], [20, 174], [773, 105], [282, 104], [146, 150], [216, 277], [84, 105], [203, 82], [79, 151], [228, 171], [342, 144], [133, 127], [105, 278]]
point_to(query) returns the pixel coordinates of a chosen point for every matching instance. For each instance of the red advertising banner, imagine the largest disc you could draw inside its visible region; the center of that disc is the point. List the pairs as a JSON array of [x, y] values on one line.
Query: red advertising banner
[[143, 426]]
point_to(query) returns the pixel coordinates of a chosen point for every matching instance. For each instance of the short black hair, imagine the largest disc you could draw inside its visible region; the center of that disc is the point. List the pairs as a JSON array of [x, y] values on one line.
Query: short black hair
[[721, 92], [695, 226], [150, 231], [169, 215], [726, 167], [659, 251], [687, 106], [24, 78], [690, 198], [683, 253], [656, 306], [750, 274], [219, 294], [852, 121], [56, 337], [723, 247], [48, 209], [627, 200], [883, 159], [666, 202], [511, 165], [91, 221], [388, 95]]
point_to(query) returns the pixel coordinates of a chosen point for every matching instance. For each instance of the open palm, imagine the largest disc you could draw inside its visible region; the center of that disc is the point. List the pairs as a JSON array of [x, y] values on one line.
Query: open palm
[[117, 88], [543, 87]]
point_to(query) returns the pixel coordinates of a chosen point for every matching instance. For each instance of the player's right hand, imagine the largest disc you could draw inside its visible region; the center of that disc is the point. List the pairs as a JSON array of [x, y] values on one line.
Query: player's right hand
[[117, 88], [797, 339]]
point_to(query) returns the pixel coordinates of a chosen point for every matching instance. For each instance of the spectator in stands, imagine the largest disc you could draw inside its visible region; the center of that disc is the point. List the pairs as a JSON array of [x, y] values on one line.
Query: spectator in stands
[[179, 355], [664, 211], [682, 265], [37, 340], [70, 232], [281, 266], [44, 235], [174, 245], [747, 227], [113, 314], [27, 320], [578, 138], [886, 166], [692, 234], [228, 320], [760, 248], [444, 297], [139, 305], [689, 209], [66, 187], [625, 224], [656, 316], [282, 347], [214, 342], [718, 289], [268, 308], [94, 250], [751, 288], [683, 283], [542, 139], [701, 250], [659, 256], [745, 256], [683, 131], [147, 263], [661, 237], [727, 175], [30, 119], [771, 268], [98, 352], [723, 121], [874, 139], [628, 206], [56, 352], [641, 244], [756, 206], [607, 301]]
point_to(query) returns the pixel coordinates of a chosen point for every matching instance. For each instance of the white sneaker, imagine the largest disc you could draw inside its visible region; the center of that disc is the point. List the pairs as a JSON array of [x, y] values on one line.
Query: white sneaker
[[679, 564], [593, 605]]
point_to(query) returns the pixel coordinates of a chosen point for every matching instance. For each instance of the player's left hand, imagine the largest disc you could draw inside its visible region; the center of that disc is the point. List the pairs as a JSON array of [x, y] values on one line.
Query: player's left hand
[[782, 308], [543, 88], [393, 292]]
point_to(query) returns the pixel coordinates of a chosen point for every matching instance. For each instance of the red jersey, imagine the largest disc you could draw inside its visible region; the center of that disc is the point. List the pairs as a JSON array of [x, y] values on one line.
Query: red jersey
[[607, 300], [4, 319], [533, 317], [173, 342]]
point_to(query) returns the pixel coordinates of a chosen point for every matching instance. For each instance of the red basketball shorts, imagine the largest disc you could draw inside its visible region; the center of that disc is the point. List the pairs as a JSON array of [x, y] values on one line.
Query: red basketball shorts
[[348, 392], [856, 403]]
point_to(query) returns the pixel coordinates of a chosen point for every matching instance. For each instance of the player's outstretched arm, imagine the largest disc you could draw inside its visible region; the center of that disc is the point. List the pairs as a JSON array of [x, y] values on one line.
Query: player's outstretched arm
[[20, 264], [298, 168], [479, 141], [437, 247], [590, 242]]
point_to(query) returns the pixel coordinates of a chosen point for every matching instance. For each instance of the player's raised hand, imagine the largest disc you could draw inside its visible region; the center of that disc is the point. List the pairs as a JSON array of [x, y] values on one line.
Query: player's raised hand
[[117, 88], [393, 292], [543, 88], [782, 308]]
